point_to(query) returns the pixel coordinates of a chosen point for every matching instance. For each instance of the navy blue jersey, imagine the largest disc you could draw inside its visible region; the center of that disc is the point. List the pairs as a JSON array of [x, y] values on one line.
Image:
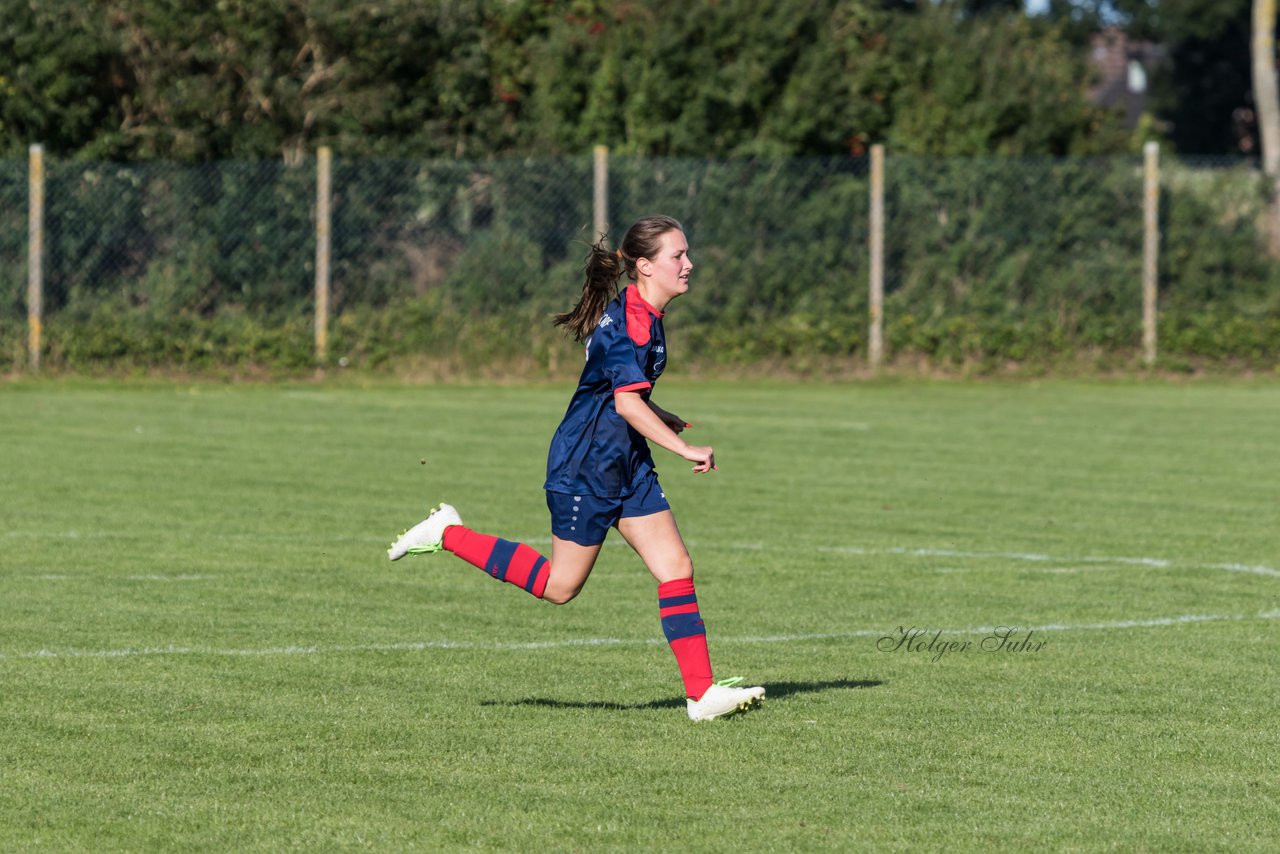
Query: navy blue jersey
[[594, 451]]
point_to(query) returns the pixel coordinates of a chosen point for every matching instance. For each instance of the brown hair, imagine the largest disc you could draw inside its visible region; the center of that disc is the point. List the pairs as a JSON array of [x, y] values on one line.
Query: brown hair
[[603, 269]]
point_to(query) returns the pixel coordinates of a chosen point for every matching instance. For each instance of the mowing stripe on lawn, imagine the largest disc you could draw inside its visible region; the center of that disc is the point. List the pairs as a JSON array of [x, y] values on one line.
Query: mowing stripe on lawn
[[859, 551], [1155, 563]]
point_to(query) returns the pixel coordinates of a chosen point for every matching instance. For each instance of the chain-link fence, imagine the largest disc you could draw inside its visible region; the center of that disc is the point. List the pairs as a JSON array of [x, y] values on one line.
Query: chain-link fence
[[985, 259], [13, 263]]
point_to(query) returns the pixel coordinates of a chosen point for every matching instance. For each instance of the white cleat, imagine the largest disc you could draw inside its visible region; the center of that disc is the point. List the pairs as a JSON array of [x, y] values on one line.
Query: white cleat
[[427, 536], [723, 699]]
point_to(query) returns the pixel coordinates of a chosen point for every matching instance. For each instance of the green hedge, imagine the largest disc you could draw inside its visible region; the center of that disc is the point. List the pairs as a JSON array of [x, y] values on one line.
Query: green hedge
[[990, 261], [482, 344]]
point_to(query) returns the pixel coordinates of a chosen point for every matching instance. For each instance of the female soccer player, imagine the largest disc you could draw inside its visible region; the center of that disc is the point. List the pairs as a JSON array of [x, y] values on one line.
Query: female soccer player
[[600, 472]]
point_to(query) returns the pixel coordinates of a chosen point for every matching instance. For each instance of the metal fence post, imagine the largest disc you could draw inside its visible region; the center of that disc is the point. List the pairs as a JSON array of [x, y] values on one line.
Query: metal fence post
[[875, 346], [601, 195], [1150, 248], [35, 254], [324, 196]]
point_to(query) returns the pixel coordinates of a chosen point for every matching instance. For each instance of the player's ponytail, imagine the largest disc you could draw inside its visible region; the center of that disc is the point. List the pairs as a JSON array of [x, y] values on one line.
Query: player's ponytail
[[604, 268]]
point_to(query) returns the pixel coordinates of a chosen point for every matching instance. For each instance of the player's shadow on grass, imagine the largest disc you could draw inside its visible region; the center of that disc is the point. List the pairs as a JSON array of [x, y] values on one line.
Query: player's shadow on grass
[[773, 691]]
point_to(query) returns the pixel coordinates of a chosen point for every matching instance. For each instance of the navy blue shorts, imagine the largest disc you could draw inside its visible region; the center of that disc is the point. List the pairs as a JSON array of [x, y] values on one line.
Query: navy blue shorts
[[586, 519]]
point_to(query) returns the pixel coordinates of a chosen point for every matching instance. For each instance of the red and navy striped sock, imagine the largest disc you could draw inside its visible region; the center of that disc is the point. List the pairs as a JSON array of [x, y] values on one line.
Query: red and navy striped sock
[[514, 563], [682, 624]]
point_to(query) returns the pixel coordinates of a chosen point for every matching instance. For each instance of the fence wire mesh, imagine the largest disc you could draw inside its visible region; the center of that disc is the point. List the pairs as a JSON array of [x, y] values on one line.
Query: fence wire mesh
[[983, 255], [13, 240], [167, 237]]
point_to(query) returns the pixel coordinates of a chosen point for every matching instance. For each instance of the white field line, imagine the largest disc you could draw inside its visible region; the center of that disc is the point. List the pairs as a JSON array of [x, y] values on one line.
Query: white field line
[[423, 646], [1239, 567]]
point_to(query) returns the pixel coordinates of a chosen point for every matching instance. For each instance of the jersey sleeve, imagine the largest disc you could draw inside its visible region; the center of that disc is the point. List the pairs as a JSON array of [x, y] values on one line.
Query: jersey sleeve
[[623, 361]]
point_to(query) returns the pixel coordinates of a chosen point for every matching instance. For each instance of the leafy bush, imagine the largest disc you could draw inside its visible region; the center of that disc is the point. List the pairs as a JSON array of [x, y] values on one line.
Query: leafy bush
[[989, 261]]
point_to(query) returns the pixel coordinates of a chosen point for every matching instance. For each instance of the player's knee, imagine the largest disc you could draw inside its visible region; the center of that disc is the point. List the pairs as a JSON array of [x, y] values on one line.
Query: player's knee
[[560, 595], [678, 569]]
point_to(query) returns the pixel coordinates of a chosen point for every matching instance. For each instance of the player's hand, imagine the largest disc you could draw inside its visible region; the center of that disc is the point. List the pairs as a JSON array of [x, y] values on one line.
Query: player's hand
[[703, 456], [675, 422], [670, 420]]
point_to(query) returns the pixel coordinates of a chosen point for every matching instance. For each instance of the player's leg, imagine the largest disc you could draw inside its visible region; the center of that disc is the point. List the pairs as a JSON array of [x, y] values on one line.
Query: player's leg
[[571, 563], [557, 580], [656, 539]]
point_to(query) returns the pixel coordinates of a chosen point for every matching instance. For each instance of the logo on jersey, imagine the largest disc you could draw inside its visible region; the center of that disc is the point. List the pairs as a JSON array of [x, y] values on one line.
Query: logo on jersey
[[606, 320]]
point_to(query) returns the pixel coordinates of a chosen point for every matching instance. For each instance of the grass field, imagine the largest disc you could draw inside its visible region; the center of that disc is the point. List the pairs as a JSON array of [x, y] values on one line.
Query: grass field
[[203, 646]]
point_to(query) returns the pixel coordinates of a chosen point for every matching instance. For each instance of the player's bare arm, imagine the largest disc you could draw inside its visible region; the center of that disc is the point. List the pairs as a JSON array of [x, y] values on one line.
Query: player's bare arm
[[637, 412]]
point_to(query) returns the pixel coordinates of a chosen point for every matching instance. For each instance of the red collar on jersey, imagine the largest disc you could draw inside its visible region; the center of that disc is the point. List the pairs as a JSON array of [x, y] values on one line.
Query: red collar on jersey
[[638, 312]]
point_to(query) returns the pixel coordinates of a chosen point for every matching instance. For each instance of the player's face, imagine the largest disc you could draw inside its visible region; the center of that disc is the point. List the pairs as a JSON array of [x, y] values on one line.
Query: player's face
[[670, 268]]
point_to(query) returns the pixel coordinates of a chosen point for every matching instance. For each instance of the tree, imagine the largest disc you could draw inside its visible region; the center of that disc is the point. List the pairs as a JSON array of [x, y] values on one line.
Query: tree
[[716, 77], [993, 84], [181, 79], [1265, 95], [707, 78], [58, 71], [1204, 82], [191, 80], [1267, 102]]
